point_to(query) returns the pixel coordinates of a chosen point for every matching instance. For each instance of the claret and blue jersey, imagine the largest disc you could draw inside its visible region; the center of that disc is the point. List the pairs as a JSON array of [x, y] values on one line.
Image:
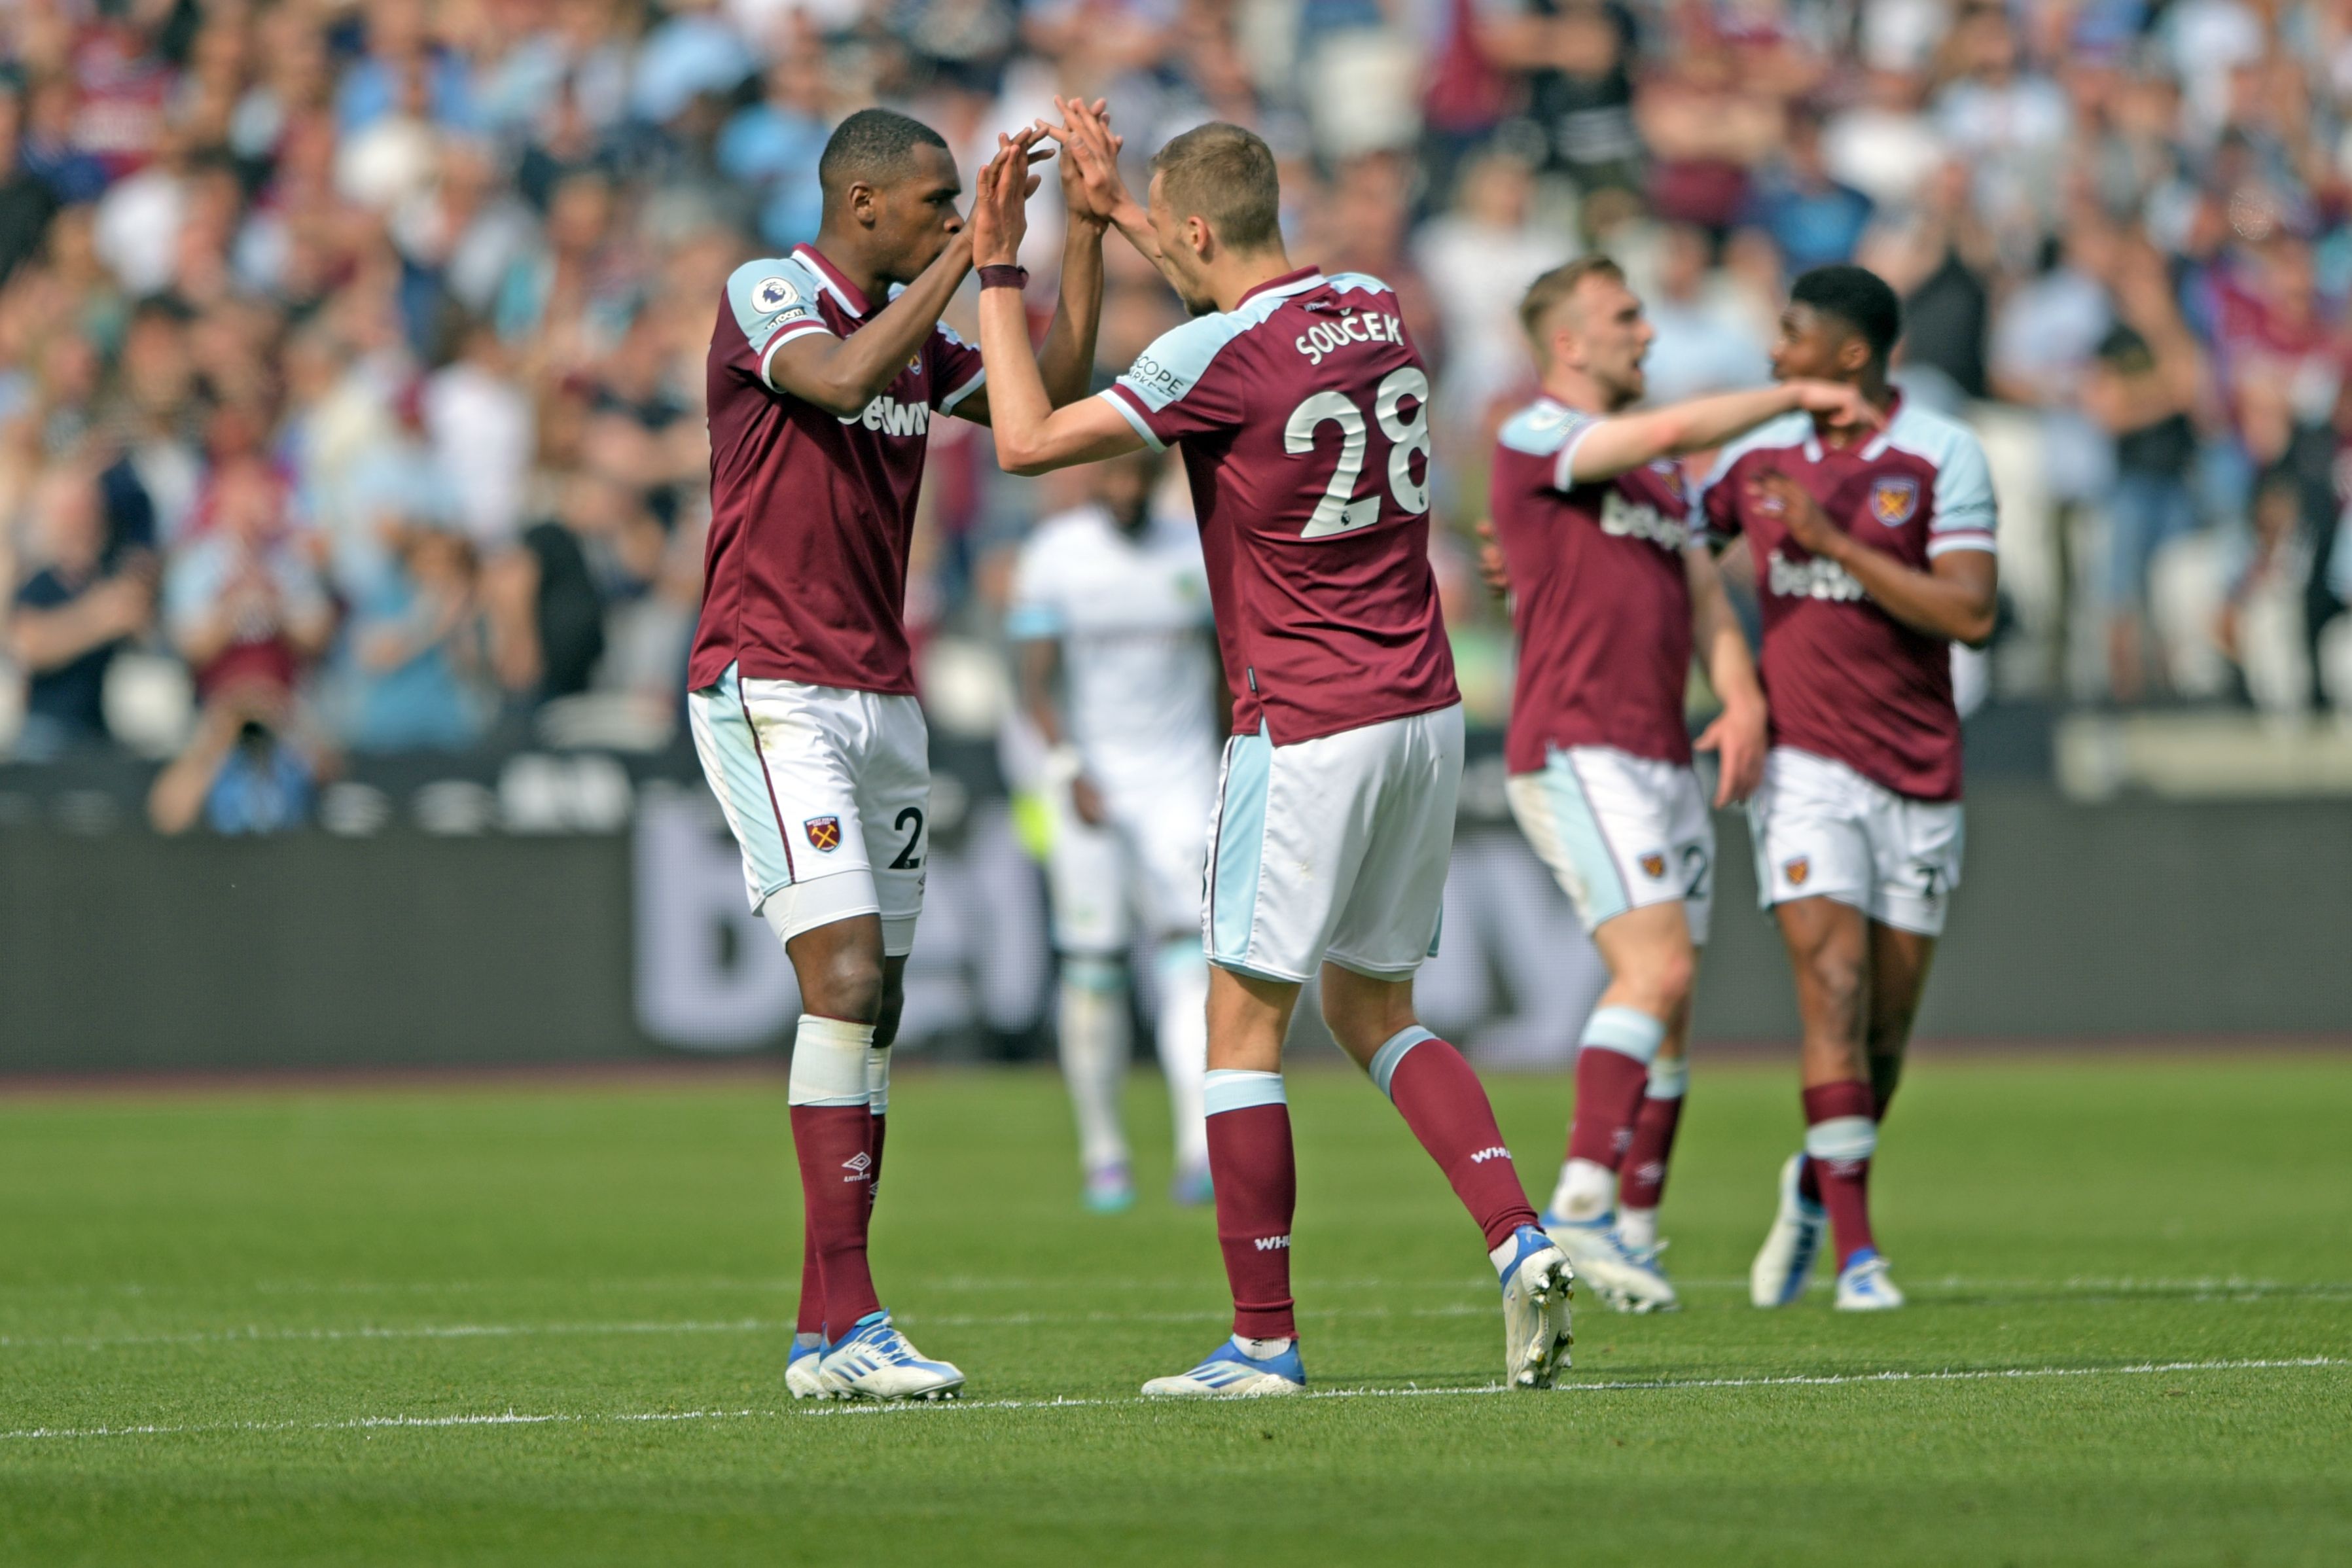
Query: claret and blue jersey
[[1844, 678]]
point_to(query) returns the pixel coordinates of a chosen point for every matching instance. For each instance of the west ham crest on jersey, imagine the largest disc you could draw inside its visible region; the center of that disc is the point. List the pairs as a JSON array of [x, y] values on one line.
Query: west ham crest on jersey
[[1797, 870], [825, 833], [1894, 500]]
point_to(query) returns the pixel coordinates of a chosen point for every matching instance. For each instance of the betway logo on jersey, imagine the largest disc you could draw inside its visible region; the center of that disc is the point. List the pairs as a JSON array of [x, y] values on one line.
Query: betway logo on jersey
[[1631, 520], [1325, 337], [1813, 579], [891, 417]]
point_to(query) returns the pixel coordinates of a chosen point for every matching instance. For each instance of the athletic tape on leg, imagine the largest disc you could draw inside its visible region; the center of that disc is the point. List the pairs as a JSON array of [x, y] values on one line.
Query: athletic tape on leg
[[1627, 1031], [877, 1079], [1234, 1088], [829, 1062], [1842, 1139]]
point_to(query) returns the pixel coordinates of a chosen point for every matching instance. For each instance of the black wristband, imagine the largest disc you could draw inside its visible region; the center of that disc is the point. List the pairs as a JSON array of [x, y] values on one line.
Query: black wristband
[[1005, 277]]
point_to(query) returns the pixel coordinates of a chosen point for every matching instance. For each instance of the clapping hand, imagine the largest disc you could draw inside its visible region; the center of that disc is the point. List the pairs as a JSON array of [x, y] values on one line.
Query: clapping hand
[[1000, 214]]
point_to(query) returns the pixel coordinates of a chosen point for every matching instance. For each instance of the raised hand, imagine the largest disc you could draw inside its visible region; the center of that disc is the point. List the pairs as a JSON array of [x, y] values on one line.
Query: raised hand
[[1497, 575], [1775, 494], [1090, 178], [1000, 214]]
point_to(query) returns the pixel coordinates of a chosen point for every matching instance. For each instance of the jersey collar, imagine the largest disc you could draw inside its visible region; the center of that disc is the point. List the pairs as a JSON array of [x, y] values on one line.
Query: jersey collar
[[846, 293], [1296, 283]]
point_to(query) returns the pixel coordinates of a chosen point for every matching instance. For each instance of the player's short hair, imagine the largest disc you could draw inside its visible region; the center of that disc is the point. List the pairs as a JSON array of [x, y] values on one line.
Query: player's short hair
[[1857, 296], [873, 145], [1559, 284], [1226, 174]]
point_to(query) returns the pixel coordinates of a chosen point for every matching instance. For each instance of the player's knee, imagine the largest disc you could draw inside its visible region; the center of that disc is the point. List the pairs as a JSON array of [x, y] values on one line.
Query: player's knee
[[1666, 980], [849, 983], [1834, 976]]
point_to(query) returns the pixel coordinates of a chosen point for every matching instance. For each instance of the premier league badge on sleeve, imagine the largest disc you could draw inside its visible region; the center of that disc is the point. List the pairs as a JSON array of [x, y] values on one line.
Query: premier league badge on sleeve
[[771, 295], [1894, 500], [825, 833]]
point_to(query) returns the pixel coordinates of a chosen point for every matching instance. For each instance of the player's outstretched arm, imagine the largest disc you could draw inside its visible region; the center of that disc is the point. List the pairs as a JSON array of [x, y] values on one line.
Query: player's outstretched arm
[[1067, 360], [1623, 442], [1092, 151], [842, 375], [1957, 597], [1738, 733], [1031, 436]]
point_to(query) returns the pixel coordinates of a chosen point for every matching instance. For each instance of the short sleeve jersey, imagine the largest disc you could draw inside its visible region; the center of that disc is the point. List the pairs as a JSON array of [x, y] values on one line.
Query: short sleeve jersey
[[804, 575], [1844, 678], [1303, 415], [1600, 594], [1131, 613]]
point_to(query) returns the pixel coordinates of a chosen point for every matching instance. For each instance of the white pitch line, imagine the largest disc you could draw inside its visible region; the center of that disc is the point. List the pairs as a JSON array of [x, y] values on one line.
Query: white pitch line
[[1641, 1385]]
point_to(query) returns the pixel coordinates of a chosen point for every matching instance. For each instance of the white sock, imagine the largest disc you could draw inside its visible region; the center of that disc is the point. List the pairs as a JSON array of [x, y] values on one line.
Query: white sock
[[1095, 1044], [829, 1062], [1585, 1192], [1183, 1032], [1261, 1350], [1638, 1228]]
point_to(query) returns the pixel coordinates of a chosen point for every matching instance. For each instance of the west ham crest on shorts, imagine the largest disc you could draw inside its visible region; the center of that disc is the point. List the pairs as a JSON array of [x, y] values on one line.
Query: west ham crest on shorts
[[1797, 870], [1894, 500], [825, 833], [1654, 865]]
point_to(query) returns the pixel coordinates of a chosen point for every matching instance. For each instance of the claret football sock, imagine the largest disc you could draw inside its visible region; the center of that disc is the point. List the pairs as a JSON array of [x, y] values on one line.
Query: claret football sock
[[811, 1317], [1840, 1137], [1612, 1067], [833, 1135], [1644, 1181], [1257, 1192], [877, 1107], [1443, 1103]]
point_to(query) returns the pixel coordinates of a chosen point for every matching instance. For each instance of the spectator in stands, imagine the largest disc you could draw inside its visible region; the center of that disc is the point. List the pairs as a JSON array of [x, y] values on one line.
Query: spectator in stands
[[242, 604], [72, 617], [242, 775]]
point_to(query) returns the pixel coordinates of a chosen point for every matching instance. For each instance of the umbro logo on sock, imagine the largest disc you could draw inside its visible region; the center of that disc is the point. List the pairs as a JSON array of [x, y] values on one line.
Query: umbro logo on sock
[[857, 1165], [1483, 1155], [1273, 1244]]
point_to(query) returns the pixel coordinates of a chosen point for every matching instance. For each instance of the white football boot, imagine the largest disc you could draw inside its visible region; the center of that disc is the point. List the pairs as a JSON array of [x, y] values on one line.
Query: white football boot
[[1863, 1285], [1624, 1279], [801, 1379], [1232, 1373], [873, 1361], [1537, 1281], [1785, 1262]]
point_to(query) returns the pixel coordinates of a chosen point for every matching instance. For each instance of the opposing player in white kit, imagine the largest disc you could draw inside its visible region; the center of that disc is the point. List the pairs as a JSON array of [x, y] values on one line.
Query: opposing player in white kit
[[822, 387], [1613, 594], [1874, 553], [1301, 408], [1110, 605]]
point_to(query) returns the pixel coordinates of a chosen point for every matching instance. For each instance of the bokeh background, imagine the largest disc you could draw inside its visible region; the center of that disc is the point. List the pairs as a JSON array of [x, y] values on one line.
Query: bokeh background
[[353, 477]]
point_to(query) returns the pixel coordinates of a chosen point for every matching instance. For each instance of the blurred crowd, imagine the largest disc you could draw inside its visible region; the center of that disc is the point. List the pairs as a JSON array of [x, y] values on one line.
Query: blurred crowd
[[350, 351]]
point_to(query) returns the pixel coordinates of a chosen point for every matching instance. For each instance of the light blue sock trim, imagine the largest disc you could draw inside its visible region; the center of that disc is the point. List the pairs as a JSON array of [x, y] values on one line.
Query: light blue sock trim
[[1236, 1089], [1842, 1138], [1385, 1060], [1669, 1079], [1088, 972], [1627, 1031]]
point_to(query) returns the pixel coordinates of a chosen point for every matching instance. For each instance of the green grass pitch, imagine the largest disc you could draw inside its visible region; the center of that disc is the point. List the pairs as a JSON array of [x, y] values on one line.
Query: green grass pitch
[[547, 1323]]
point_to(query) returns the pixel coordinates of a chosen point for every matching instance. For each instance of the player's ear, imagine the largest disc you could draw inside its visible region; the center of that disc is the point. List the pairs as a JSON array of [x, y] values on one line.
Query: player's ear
[[864, 203], [1200, 236], [1854, 354]]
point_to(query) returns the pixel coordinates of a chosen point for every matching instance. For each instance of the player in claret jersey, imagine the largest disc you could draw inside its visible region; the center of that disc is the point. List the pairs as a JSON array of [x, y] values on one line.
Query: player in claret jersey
[[1612, 595], [1301, 409], [1873, 554], [824, 378]]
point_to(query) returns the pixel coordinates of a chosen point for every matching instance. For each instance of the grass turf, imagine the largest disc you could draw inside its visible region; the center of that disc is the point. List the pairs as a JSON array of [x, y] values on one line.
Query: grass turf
[[292, 1327]]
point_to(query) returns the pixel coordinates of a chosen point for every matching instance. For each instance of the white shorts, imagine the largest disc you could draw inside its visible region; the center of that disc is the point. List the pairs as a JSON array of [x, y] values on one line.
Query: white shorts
[[1621, 831], [1823, 830], [1334, 848], [1146, 865], [828, 791]]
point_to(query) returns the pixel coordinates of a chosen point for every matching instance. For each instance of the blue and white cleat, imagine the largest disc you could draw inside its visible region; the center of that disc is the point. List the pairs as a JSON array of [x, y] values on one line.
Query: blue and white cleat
[[801, 1378], [1111, 1189], [1193, 1188], [1231, 1372], [1538, 1280], [1863, 1285], [1785, 1262], [873, 1361], [1602, 1260]]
